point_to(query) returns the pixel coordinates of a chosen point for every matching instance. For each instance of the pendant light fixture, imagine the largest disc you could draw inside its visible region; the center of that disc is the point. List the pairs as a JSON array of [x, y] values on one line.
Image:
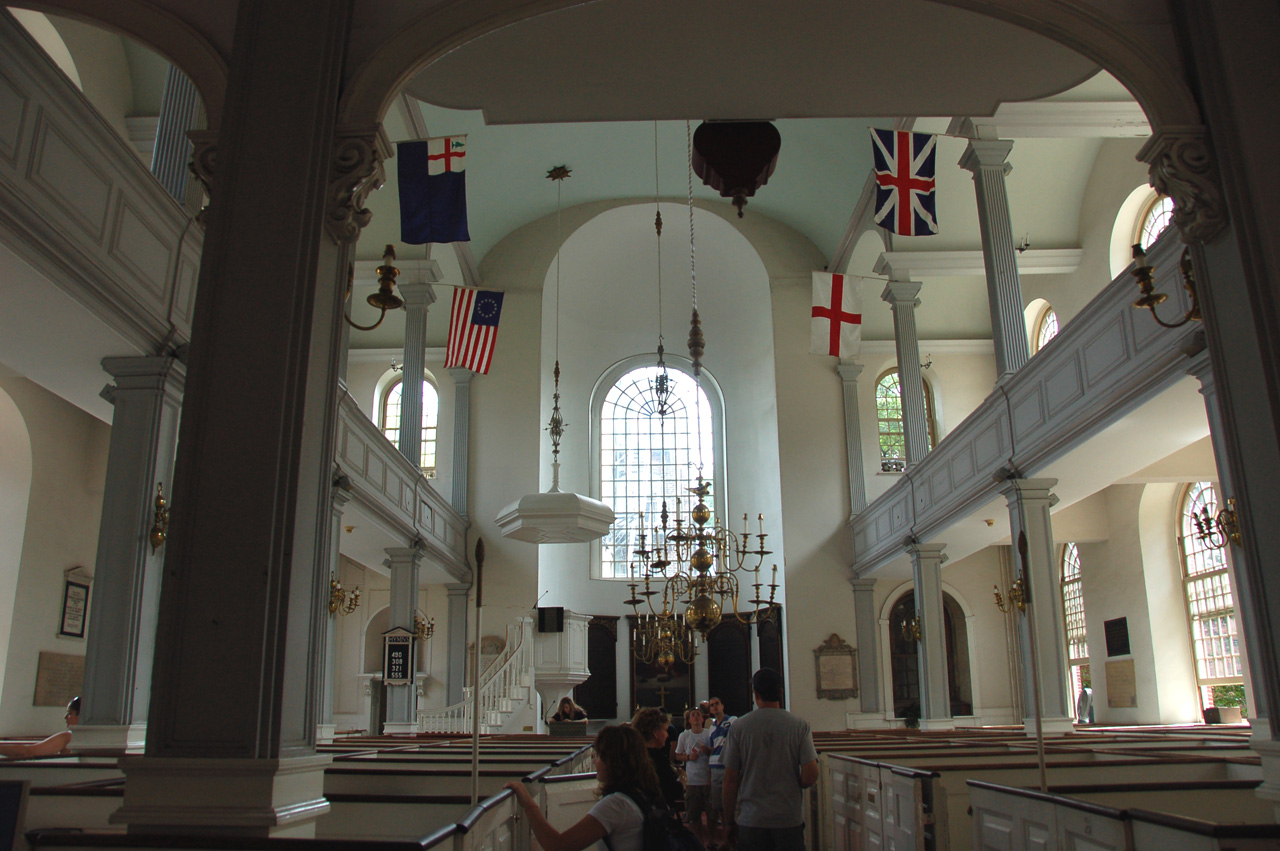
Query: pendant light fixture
[[556, 517]]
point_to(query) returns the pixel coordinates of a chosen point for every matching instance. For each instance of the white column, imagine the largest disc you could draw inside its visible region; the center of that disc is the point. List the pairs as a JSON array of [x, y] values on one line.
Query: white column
[[1202, 369], [341, 496], [868, 630], [232, 720], [902, 299], [457, 637], [987, 159], [418, 297], [935, 690], [1029, 503], [461, 445], [147, 396], [849, 373], [402, 699]]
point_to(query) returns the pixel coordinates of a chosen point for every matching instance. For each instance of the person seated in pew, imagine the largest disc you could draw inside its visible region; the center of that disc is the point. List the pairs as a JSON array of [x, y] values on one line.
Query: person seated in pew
[[569, 711], [55, 744], [625, 773]]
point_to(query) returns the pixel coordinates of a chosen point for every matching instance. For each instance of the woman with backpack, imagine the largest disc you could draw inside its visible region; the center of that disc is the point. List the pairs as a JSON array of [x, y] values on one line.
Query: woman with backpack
[[626, 775]]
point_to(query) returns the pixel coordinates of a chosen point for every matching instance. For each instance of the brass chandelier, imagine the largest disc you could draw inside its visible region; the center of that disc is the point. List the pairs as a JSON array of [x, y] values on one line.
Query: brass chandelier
[[690, 568]]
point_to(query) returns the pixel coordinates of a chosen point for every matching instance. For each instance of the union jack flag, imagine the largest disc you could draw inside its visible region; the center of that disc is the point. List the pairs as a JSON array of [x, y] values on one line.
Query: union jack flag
[[906, 197]]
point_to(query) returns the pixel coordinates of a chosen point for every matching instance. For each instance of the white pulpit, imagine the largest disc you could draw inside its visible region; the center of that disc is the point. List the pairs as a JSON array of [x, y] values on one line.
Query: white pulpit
[[559, 662]]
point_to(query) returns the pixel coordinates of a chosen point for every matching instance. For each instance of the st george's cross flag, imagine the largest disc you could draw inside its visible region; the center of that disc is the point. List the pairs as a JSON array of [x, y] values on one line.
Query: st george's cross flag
[[433, 190], [906, 192], [836, 327], [473, 329]]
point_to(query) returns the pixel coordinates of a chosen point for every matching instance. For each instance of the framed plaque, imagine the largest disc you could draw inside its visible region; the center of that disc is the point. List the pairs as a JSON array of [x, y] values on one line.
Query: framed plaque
[[397, 657], [837, 669], [75, 608]]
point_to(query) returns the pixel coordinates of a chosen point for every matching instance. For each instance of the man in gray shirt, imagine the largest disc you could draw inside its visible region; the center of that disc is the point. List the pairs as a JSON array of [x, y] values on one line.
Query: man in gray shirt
[[769, 760]]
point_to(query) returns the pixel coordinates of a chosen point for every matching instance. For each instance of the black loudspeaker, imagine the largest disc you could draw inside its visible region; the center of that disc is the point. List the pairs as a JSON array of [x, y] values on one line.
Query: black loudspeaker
[[551, 619]]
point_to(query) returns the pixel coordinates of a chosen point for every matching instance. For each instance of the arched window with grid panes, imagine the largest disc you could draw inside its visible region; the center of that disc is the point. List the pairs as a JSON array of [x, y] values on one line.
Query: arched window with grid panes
[[1210, 603], [430, 418], [1046, 328], [1073, 618], [646, 457], [893, 446], [1156, 216]]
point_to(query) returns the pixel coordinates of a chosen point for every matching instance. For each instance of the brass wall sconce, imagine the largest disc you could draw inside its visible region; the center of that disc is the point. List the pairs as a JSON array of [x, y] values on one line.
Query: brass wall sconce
[[911, 628], [341, 600], [385, 298], [160, 520], [1150, 299], [422, 627], [1017, 598], [1215, 530]]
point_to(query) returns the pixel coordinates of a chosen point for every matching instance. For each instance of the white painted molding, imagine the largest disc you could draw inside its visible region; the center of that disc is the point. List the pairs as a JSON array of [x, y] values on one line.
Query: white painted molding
[[434, 353], [80, 207], [412, 269], [395, 491], [914, 265], [1057, 120], [1105, 362], [932, 347]]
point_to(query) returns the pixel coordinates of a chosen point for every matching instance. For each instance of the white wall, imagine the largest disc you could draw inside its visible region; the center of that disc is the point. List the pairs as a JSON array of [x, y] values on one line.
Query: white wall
[[68, 468]]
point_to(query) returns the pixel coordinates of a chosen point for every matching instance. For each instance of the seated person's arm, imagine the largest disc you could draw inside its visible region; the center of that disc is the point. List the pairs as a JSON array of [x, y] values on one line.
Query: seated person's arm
[[55, 744]]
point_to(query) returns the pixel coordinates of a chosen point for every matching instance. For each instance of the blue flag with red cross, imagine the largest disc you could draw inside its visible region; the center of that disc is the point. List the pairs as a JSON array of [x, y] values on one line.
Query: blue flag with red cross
[[433, 190]]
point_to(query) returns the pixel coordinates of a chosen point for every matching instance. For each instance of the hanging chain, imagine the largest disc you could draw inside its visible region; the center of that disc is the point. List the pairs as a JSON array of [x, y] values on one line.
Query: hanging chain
[[557, 425], [696, 342]]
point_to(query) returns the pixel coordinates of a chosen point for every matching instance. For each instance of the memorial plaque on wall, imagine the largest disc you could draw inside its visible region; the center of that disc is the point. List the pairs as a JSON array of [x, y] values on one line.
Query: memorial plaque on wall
[[1122, 686], [59, 677], [397, 657], [837, 664], [75, 608]]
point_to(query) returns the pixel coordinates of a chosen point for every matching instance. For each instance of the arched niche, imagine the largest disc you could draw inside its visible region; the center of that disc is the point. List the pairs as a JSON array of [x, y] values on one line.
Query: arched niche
[[378, 624], [15, 490], [901, 655]]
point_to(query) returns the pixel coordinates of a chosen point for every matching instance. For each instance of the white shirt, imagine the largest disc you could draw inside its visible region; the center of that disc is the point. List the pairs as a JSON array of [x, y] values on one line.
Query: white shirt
[[623, 823], [697, 772]]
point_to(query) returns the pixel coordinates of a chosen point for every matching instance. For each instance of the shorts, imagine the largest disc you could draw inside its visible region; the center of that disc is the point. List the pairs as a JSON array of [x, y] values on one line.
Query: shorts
[[696, 799], [715, 804]]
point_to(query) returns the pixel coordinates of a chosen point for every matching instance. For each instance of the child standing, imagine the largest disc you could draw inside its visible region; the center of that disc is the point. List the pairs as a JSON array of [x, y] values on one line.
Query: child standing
[[694, 750]]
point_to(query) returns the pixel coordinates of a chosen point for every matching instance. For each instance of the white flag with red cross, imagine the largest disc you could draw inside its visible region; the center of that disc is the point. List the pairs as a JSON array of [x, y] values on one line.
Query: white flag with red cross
[[836, 327]]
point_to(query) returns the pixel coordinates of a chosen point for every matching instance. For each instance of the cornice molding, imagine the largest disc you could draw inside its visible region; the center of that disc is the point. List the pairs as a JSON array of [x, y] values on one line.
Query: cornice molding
[[911, 265]]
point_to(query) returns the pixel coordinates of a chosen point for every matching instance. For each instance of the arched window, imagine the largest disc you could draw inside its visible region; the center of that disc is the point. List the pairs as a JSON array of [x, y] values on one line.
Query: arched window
[[1210, 604], [430, 418], [893, 447], [646, 458], [1157, 216], [1046, 328], [1073, 618]]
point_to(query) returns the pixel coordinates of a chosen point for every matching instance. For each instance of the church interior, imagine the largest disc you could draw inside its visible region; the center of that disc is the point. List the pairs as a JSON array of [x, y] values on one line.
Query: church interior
[[1012, 511]]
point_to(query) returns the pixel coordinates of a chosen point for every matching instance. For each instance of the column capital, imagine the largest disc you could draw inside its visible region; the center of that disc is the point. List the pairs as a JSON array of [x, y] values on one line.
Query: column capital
[[356, 170], [901, 292], [987, 153], [1028, 490], [403, 556], [849, 371], [927, 552], [1183, 167], [145, 373], [862, 586], [457, 589], [460, 374], [1200, 367], [417, 294]]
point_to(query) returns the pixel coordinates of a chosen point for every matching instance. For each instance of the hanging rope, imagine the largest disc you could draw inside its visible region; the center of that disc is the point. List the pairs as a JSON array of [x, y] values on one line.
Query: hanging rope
[[696, 342]]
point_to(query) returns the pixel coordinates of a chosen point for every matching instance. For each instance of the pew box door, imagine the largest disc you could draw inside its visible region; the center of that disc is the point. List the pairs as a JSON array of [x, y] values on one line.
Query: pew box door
[[903, 814], [868, 830]]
